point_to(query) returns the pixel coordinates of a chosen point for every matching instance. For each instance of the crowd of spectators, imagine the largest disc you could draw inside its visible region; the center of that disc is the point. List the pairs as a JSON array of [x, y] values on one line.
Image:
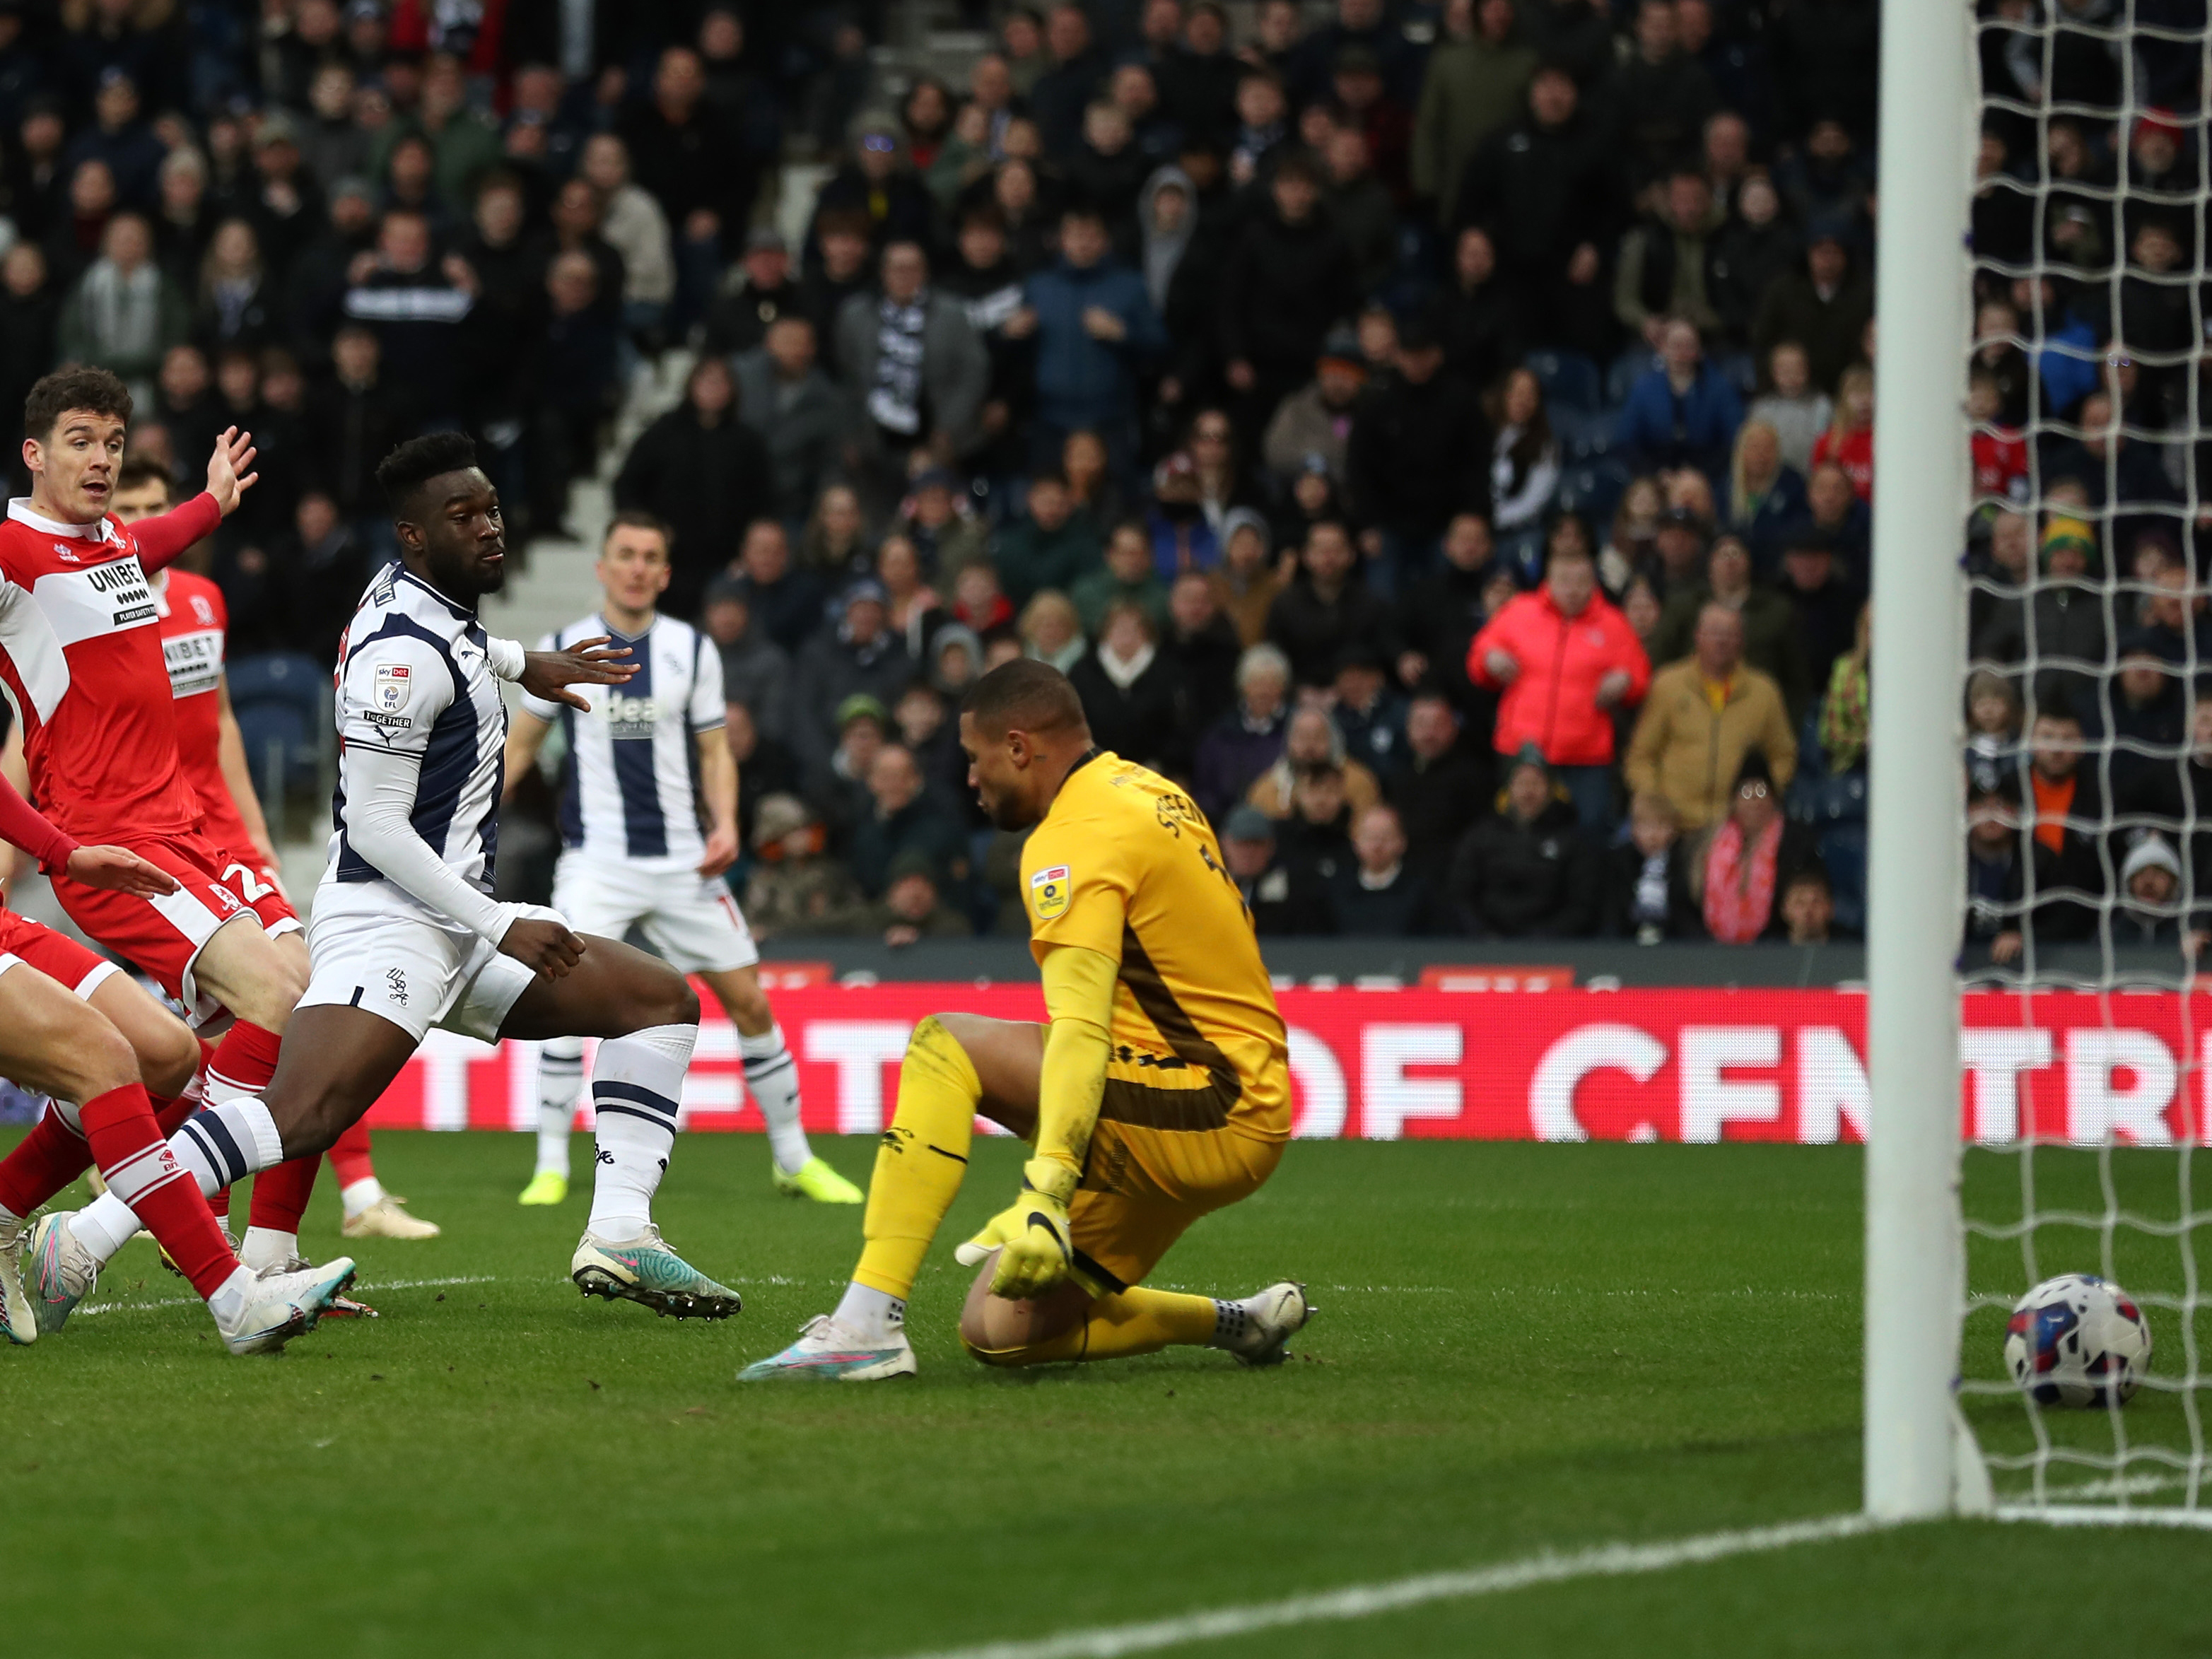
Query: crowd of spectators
[[1440, 435]]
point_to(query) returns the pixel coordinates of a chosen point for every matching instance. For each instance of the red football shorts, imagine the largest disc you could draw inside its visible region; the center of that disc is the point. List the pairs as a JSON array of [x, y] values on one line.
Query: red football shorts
[[164, 936], [57, 956]]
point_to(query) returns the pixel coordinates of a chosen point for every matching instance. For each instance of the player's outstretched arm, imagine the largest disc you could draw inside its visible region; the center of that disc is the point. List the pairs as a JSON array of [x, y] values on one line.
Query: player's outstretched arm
[[1032, 1236], [548, 674], [162, 537]]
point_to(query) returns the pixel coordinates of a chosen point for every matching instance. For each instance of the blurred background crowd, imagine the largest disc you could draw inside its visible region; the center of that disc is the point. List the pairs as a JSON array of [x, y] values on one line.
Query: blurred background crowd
[[1441, 434]]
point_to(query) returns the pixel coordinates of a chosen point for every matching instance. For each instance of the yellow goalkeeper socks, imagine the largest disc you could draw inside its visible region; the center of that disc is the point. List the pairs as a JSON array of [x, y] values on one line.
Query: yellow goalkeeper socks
[[921, 1160], [1131, 1321]]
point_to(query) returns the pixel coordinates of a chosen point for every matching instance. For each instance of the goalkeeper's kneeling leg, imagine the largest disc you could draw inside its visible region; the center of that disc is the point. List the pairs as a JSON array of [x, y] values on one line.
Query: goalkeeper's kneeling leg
[[1072, 1325]]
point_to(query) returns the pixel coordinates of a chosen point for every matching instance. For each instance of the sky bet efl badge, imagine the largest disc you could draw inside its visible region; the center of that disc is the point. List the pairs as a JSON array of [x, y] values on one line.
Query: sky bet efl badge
[[394, 680], [1048, 890]]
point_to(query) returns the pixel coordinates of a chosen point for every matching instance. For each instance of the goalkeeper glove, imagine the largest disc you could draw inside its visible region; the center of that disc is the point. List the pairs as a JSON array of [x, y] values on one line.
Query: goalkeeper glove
[[1031, 1237]]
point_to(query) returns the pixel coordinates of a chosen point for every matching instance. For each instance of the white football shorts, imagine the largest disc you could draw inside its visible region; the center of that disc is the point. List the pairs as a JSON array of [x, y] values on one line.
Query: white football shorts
[[694, 923], [412, 970]]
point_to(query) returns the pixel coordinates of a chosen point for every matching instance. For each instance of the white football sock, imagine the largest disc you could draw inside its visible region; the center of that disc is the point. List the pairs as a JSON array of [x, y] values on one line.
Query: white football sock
[[871, 1314], [104, 1226], [265, 1247], [357, 1196], [229, 1298], [636, 1081], [772, 1079], [560, 1080], [225, 1143]]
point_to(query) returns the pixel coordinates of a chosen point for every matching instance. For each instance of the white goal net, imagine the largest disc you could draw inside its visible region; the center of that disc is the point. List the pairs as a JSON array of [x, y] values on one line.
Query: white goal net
[[2087, 714]]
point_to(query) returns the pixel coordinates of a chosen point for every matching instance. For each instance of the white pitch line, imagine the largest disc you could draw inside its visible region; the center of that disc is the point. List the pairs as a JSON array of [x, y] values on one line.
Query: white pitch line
[[2089, 1515], [1367, 1600]]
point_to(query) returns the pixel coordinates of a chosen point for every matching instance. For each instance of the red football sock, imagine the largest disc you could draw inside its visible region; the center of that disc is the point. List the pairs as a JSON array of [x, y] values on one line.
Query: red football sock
[[242, 1063], [140, 1169], [281, 1195], [350, 1158], [45, 1160]]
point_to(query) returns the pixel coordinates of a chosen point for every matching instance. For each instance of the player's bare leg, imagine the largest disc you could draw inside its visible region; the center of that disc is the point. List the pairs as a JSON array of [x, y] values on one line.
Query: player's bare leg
[[260, 980], [772, 1079], [54, 1042], [957, 1065], [370, 1212], [646, 1018]]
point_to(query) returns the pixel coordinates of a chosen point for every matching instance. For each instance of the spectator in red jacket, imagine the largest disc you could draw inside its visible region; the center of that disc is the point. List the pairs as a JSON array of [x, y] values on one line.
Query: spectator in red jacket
[[1562, 659]]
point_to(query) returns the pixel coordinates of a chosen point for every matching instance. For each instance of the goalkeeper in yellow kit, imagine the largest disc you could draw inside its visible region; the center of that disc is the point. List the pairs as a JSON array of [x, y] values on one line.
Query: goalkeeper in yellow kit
[[1158, 1090]]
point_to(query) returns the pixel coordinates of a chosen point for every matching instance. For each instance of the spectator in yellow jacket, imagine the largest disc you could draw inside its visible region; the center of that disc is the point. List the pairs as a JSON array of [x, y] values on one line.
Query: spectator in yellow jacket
[[1700, 718]]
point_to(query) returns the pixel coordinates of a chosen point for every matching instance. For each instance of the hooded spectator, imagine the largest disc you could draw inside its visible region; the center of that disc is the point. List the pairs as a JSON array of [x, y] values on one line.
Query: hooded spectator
[[1525, 871], [1564, 660]]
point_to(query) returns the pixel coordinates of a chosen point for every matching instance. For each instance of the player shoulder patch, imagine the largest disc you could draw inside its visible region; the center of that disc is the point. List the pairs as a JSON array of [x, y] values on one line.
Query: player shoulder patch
[[1048, 891], [393, 684]]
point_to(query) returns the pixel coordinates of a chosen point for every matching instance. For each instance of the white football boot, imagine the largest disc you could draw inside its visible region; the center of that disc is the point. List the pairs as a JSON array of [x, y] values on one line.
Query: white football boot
[[646, 1272], [1259, 1333], [18, 1324], [63, 1271], [283, 1305], [827, 1351]]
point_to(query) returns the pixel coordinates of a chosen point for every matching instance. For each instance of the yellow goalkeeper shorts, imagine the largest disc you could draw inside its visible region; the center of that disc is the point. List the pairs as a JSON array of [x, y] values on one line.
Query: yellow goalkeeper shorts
[[1142, 1188]]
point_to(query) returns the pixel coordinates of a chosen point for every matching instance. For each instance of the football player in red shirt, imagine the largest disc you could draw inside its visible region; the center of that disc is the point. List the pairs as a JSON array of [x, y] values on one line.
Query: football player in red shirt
[[60, 1043], [194, 621]]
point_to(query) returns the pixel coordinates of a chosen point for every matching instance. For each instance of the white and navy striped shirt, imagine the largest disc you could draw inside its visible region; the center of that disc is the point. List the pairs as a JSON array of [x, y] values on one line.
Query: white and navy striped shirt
[[413, 679], [631, 788]]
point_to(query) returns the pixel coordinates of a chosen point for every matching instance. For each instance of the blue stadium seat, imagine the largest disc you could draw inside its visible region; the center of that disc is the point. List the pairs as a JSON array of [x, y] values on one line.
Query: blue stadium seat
[[1571, 380], [1594, 490], [1626, 369], [1583, 434], [279, 697]]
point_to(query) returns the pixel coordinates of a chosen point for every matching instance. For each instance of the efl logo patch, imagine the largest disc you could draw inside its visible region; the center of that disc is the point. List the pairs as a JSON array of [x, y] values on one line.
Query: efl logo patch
[[395, 683], [1048, 891]]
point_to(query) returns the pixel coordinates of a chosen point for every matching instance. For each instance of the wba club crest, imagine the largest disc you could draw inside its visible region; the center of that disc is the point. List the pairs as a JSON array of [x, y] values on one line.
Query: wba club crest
[[394, 682]]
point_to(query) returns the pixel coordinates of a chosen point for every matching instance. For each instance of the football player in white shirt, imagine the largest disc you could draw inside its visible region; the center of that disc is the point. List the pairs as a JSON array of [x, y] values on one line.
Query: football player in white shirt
[[633, 852], [405, 933]]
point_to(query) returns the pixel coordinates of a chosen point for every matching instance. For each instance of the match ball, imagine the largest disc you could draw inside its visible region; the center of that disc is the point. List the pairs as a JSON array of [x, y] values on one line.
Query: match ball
[[2077, 1340]]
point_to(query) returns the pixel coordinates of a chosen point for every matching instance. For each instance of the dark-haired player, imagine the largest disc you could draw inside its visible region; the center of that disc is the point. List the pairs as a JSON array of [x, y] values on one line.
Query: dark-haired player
[[1158, 1090], [406, 934], [195, 622], [80, 657], [642, 763]]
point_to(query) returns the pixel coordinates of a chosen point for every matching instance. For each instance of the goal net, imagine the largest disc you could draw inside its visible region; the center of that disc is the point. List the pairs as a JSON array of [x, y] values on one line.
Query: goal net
[[2081, 719]]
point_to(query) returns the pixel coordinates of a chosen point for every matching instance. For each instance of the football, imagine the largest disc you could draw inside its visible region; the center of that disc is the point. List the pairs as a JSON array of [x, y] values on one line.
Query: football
[[2077, 1340]]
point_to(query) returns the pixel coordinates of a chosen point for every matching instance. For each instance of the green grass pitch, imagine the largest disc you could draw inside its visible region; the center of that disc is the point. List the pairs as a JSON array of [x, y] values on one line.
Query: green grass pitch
[[1519, 1347]]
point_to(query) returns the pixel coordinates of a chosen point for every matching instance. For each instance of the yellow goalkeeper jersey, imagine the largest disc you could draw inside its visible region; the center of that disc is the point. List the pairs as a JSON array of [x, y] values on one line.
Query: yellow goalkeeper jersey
[[1125, 865]]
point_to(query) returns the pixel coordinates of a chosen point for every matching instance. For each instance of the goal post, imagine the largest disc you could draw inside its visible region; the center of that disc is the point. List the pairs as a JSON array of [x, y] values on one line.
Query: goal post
[[1915, 1249]]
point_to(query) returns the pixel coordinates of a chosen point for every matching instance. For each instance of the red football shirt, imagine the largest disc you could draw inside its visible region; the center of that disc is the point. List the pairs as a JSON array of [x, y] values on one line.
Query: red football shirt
[[194, 621], [81, 655]]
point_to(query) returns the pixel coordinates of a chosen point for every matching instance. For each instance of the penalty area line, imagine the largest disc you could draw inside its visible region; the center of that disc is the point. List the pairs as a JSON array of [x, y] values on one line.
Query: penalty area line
[[1367, 1601]]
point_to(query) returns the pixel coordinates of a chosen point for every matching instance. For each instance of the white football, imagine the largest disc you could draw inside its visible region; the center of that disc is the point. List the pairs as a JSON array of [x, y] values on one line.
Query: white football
[[2077, 1340]]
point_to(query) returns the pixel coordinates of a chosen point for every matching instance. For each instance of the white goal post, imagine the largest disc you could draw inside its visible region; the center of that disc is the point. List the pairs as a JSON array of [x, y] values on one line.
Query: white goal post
[[1915, 1252], [1946, 1257]]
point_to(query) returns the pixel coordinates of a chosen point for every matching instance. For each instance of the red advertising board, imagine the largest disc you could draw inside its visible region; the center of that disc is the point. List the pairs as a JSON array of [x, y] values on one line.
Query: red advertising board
[[1553, 1065]]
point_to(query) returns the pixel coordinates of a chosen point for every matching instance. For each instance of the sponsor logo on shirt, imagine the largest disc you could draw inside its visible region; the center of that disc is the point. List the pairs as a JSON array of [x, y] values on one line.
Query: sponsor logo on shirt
[[1048, 891], [631, 719], [393, 683], [102, 599], [195, 661], [64, 552]]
